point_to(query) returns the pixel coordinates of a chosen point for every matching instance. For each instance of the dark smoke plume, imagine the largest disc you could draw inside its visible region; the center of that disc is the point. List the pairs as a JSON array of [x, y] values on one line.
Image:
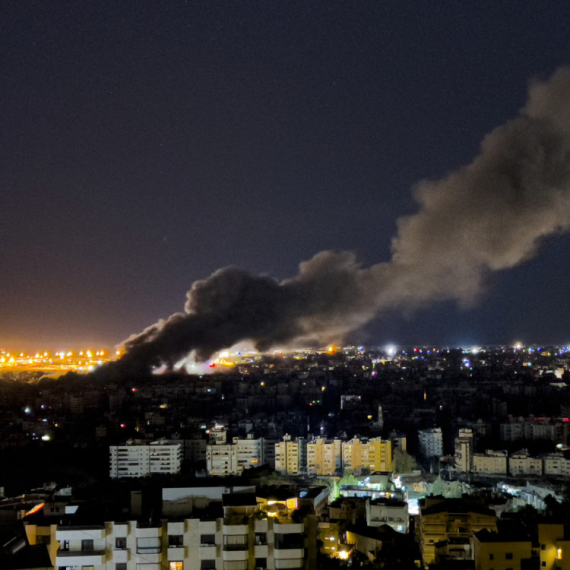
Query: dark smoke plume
[[488, 216]]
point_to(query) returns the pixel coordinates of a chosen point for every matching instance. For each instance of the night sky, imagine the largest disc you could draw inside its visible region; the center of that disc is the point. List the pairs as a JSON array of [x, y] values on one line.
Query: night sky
[[143, 145]]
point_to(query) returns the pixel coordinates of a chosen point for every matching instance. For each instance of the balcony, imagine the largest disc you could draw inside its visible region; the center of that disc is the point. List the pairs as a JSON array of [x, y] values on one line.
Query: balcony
[[79, 533], [176, 553], [149, 558], [175, 528], [287, 526], [261, 550], [235, 528], [120, 555], [80, 557], [151, 532], [207, 552], [282, 562], [236, 547], [230, 555]]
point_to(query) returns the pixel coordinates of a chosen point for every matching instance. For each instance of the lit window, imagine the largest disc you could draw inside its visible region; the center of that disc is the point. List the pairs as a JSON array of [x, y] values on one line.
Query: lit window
[[177, 566]]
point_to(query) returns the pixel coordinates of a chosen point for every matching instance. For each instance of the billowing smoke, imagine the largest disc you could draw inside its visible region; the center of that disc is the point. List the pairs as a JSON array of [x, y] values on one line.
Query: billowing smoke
[[488, 216]]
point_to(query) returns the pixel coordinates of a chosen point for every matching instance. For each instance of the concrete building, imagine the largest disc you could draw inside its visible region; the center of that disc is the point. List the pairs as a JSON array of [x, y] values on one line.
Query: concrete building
[[533, 428], [393, 513], [324, 457], [464, 447], [291, 456], [233, 533], [490, 463], [373, 454], [556, 464], [430, 442], [221, 459], [224, 459], [521, 463], [554, 547], [379, 455], [250, 452], [140, 459], [194, 449], [455, 520], [352, 451], [398, 440], [217, 435], [495, 551]]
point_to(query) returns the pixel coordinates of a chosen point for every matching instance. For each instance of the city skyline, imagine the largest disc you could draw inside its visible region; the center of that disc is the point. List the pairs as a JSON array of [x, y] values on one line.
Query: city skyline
[[145, 149]]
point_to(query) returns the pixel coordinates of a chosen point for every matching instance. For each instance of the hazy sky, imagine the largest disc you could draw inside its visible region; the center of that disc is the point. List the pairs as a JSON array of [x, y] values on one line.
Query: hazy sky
[[145, 144]]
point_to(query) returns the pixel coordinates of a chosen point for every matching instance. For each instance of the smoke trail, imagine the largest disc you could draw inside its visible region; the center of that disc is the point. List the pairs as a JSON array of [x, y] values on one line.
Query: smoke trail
[[488, 216]]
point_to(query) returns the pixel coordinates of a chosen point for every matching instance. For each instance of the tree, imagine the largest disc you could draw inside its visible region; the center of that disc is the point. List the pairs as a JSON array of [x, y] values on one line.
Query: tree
[[454, 490], [403, 462], [334, 490], [348, 479], [438, 487]]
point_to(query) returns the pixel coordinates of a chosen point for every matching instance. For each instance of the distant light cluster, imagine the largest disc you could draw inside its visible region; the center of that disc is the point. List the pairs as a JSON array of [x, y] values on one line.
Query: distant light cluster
[[82, 361]]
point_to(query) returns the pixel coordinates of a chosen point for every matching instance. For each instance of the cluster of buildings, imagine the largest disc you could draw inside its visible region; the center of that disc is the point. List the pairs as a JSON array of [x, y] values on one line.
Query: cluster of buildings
[[240, 525], [233, 526], [306, 405], [517, 464], [468, 532], [317, 456]]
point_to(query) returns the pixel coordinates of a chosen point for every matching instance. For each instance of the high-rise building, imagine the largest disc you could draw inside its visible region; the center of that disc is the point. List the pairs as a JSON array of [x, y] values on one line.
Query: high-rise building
[[235, 531], [373, 454], [430, 442], [139, 459], [352, 452], [379, 455], [224, 459], [291, 456], [464, 450], [221, 459], [324, 457]]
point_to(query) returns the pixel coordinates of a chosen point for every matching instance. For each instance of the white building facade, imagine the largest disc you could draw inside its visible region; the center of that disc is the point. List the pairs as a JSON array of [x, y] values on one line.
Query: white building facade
[[223, 459], [143, 459], [430, 442]]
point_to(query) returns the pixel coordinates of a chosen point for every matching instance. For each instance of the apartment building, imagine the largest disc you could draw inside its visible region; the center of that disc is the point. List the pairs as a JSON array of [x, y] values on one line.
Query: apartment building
[[352, 452], [430, 442], [223, 459], [140, 459], [291, 456], [451, 520], [521, 463], [324, 457], [490, 462], [464, 447], [533, 428], [496, 551], [377, 455], [393, 513], [554, 547], [556, 464], [232, 534]]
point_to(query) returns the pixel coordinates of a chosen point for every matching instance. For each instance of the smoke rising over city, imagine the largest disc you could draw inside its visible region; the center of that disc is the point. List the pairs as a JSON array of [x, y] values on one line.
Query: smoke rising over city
[[488, 216]]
